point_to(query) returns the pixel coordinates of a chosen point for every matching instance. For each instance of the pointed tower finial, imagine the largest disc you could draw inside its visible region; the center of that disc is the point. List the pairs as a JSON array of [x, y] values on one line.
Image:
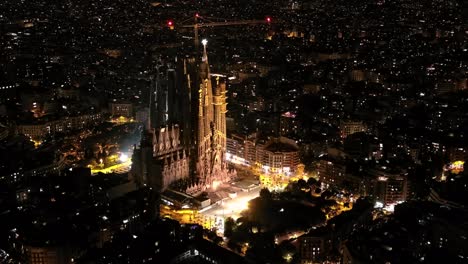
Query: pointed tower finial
[[205, 56], [204, 66]]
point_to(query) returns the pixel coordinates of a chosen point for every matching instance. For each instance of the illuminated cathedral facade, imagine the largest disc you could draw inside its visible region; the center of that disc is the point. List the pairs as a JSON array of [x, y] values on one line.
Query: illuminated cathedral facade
[[185, 138], [211, 164]]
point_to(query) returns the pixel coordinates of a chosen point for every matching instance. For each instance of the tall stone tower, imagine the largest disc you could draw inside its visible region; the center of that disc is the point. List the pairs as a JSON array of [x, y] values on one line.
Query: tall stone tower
[[211, 133], [220, 109], [161, 158], [169, 97], [185, 138]]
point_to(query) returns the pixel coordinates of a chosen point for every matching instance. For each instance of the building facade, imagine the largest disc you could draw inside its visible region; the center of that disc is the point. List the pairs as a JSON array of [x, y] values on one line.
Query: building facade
[[160, 159], [121, 109], [351, 127], [390, 188], [331, 171], [315, 246], [210, 142], [176, 147], [275, 155], [64, 124]]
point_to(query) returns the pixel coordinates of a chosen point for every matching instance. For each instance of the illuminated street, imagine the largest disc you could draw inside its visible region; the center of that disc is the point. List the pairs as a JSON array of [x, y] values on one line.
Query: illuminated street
[[233, 132], [229, 208], [233, 207], [118, 168]]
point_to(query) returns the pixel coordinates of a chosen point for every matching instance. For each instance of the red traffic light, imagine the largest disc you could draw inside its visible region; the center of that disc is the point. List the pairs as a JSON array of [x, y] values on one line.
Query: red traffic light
[[197, 15], [170, 23], [268, 19]]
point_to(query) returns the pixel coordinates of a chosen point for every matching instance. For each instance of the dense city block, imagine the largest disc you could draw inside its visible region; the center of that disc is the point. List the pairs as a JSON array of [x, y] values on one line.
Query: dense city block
[[233, 131]]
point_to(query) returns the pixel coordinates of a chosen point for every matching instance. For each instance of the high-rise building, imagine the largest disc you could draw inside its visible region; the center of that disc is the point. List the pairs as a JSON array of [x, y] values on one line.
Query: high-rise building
[[390, 188]]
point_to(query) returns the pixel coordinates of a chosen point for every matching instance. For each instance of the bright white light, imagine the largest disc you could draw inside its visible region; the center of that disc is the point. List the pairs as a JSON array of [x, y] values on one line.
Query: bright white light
[[204, 42], [237, 205], [216, 184], [123, 157], [390, 208], [378, 205], [218, 75]]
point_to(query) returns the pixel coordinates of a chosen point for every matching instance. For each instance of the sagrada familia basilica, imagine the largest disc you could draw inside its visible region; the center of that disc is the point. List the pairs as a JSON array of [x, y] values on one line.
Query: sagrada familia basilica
[[184, 143]]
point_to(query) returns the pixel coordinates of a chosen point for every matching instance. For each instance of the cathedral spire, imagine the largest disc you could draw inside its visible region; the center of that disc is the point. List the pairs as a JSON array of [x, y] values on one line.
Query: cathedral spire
[[204, 66]]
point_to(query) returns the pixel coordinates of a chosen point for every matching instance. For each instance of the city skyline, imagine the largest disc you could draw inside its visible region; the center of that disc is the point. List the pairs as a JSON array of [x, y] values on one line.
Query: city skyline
[[298, 131]]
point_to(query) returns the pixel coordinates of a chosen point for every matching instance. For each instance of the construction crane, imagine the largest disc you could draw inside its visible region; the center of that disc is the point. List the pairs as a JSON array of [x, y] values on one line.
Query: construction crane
[[198, 25]]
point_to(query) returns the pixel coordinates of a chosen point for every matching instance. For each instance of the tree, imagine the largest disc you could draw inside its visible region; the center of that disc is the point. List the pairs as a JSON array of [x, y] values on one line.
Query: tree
[[311, 181], [286, 248], [265, 194], [303, 186], [262, 249], [302, 183], [229, 225], [218, 240], [234, 246]]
